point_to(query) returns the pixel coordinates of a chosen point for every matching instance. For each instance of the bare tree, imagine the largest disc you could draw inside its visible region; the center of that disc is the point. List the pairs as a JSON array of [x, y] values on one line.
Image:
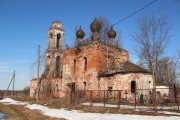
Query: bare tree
[[26, 90], [117, 41], [106, 24], [33, 69], [178, 66], [166, 71], [178, 56], [150, 40]]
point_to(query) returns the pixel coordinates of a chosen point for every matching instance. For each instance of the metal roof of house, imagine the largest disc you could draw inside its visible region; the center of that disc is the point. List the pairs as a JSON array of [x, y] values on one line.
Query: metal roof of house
[[125, 67]]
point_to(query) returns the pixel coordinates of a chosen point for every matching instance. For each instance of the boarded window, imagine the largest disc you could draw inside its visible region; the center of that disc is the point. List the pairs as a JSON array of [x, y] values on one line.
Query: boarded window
[[133, 86]]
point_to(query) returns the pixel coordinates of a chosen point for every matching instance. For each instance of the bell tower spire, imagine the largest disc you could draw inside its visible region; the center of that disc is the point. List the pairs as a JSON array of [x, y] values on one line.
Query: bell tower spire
[[56, 36], [54, 51]]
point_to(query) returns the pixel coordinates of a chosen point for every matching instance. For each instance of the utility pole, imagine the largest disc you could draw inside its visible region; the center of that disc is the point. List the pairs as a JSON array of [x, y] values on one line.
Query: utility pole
[[13, 83], [38, 65], [12, 79]]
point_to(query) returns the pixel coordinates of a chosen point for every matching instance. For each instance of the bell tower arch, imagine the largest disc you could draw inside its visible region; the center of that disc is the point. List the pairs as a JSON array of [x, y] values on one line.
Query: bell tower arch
[[54, 51]]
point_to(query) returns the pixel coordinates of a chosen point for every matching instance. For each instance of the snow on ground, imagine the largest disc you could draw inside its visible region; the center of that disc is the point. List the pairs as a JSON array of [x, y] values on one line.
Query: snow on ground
[[11, 101], [170, 113], [80, 115], [130, 107]]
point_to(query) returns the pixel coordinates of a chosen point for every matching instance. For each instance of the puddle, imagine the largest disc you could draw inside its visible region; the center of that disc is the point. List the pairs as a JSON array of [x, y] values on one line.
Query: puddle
[[2, 116]]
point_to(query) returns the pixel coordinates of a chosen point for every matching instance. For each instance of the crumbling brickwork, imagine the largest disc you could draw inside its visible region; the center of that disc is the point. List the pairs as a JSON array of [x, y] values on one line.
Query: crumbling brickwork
[[92, 66]]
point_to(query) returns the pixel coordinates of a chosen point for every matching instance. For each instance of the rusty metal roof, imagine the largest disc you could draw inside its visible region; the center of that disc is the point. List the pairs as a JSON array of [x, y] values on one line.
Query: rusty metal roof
[[125, 67]]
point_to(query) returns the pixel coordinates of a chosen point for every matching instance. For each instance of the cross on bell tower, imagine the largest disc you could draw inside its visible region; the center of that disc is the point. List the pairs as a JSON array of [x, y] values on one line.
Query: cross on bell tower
[[54, 51]]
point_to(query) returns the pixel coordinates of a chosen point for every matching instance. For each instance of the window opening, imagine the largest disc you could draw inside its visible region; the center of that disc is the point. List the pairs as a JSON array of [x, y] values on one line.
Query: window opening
[[74, 66], [133, 86], [84, 87], [85, 64], [58, 38], [57, 65]]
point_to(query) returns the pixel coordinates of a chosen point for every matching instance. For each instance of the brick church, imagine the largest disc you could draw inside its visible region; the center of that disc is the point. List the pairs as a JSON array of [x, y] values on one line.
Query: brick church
[[88, 66]]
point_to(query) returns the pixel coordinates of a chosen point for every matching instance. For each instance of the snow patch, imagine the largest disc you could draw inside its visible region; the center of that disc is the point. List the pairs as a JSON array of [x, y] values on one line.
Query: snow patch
[[38, 107], [7, 100], [80, 115], [170, 113], [11, 101], [130, 107]]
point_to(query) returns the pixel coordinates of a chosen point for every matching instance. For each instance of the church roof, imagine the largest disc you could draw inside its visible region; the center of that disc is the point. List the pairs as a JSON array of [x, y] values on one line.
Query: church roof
[[125, 67], [85, 43]]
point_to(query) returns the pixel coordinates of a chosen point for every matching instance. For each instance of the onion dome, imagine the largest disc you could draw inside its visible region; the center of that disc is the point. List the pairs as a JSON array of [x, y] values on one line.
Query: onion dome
[[95, 26], [80, 33], [111, 33]]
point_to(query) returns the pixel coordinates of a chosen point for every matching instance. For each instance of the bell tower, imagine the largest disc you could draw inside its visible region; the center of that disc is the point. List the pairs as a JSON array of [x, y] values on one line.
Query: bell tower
[[54, 51]]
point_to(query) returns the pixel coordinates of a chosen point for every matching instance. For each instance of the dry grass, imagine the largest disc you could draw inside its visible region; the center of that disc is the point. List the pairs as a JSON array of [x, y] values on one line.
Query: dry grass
[[63, 103], [22, 113]]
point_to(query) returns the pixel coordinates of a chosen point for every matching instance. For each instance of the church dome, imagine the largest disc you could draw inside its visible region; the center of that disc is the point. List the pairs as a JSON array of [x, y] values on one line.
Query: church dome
[[80, 33], [111, 33], [95, 26]]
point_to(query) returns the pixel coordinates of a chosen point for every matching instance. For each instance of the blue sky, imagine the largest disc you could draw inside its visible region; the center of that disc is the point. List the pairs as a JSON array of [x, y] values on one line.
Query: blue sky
[[24, 25]]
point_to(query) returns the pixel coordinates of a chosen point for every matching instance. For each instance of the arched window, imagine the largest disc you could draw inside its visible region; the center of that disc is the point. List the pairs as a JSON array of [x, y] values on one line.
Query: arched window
[[133, 86], [85, 64], [84, 87], [58, 39], [74, 66], [57, 66]]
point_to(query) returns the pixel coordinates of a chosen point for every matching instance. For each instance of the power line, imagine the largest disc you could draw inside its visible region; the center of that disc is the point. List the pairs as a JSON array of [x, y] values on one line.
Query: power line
[[125, 19], [172, 14], [135, 12]]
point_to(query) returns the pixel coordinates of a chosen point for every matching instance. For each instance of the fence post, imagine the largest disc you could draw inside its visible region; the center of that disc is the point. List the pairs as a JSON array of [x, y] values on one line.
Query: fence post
[[178, 103], [104, 98], [135, 99], [154, 98], [175, 93], [119, 98], [99, 94], [90, 97], [176, 96], [80, 96], [107, 95], [71, 96]]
